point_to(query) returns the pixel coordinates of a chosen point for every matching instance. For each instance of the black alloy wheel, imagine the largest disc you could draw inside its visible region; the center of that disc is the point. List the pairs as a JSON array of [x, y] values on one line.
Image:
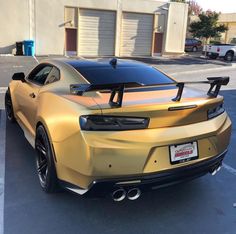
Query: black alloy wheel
[[45, 162], [9, 107]]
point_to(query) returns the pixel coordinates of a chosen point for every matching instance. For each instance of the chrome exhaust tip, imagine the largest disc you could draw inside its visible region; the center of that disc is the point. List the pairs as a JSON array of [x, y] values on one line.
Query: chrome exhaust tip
[[133, 194], [119, 195], [215, 170]]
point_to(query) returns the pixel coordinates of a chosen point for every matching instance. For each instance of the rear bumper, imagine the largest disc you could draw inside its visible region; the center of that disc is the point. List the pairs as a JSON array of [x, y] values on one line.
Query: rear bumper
[[150, 181]]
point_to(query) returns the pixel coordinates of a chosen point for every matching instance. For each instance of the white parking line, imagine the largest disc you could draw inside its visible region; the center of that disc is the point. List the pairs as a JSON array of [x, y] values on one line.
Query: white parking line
[[2, 167], [229, 169], [3, 89], [203, 70]]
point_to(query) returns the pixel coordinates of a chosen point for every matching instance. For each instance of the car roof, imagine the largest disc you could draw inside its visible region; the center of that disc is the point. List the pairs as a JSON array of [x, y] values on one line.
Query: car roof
[[113, 70], [81, 63], [102, 63]]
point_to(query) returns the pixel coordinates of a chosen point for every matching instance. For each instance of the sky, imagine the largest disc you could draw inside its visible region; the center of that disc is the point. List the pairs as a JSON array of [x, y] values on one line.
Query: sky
[[223, 6]]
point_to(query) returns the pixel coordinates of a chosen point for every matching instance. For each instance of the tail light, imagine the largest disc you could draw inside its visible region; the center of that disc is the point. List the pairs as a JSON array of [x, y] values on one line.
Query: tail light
[[112, 123], [216, 111]]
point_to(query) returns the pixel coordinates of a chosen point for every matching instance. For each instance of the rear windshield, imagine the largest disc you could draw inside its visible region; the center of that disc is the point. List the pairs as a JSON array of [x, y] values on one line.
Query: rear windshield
[[109, 75]]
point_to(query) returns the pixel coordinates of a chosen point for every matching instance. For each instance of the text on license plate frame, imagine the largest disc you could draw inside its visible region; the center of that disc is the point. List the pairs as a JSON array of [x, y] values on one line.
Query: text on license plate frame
[[182, 151]]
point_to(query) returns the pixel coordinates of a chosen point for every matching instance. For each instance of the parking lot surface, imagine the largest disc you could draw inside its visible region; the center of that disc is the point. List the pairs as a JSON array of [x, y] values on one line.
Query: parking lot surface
[[205, 205]]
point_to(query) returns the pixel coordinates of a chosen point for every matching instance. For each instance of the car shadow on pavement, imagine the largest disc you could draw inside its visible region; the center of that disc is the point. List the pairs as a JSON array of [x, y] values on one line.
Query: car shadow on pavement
[[201, 206]]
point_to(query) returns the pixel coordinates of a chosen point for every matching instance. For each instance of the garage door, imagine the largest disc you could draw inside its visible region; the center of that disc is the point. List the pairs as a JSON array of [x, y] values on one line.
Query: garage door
[[137, 31], [96, 32]]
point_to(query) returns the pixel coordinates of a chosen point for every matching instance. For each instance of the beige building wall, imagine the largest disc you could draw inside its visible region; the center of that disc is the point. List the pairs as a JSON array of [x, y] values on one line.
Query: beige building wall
[[44, 21], [231, 33], [228, 19], [176, 28], [14, 23]]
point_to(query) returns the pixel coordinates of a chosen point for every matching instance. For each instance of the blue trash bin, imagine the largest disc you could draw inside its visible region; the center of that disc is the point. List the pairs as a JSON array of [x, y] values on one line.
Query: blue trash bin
[[29, 49]]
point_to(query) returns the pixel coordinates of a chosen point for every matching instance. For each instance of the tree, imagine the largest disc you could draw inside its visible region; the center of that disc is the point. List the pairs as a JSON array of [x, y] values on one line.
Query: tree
[[207, 26], [194, 8]]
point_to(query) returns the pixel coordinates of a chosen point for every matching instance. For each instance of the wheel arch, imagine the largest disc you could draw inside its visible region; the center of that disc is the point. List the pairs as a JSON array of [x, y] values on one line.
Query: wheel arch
[[230, 51], [11, 88], [41, 122]]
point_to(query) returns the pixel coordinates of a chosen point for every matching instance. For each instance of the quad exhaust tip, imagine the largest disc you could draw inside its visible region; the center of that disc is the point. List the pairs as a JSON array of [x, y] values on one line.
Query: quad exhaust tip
[[133, 194], [216, 170], [120, 194]]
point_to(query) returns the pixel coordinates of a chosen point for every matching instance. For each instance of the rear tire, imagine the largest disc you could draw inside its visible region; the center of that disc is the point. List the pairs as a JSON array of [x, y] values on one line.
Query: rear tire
[[9, 107], [229, 56], [45, 162]]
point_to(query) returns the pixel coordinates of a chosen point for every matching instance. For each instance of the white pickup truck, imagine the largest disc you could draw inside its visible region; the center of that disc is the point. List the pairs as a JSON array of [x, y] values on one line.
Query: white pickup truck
[[226, 51]]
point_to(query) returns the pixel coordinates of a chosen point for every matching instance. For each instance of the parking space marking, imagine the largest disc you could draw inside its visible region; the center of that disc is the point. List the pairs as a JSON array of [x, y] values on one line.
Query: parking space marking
[[229, 169], [203, 70], [3, 89], [17, 66], [2, 166]]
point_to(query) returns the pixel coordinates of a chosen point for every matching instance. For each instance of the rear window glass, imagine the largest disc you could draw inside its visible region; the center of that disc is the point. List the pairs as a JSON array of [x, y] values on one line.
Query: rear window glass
[[110, 75]]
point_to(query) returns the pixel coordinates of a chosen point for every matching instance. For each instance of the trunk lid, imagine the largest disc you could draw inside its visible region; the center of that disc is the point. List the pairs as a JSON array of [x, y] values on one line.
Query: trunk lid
[[159, 107]]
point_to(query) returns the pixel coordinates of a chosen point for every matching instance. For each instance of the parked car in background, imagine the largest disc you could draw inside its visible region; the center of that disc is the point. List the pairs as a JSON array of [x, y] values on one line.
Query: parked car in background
[[193, 45], [226, 51]]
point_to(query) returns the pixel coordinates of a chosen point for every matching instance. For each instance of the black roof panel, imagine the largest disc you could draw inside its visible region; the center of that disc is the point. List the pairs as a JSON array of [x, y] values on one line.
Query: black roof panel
[[93, 63], [101, 71]]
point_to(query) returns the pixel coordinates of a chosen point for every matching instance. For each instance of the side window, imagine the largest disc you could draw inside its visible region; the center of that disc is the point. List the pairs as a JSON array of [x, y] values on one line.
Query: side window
[[40, 74], [53, 76], [188, 41]]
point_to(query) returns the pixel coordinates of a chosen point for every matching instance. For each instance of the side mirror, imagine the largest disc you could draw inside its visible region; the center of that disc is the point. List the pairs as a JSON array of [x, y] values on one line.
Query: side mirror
[[19, 76]]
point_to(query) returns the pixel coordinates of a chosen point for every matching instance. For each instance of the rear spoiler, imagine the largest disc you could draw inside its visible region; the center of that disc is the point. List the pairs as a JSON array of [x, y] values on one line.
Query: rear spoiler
[[117, 89]]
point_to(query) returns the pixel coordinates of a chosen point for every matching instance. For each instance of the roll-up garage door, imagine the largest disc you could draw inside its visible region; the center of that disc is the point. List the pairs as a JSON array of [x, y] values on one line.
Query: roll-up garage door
[[137, 33], [96, 32]]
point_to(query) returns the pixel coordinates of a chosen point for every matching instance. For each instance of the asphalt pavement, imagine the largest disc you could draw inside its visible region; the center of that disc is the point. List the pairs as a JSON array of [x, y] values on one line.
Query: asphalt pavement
[[202, 206]]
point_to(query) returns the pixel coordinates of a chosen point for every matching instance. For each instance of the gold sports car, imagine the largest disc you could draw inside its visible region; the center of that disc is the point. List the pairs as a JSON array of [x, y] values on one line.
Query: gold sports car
[[118, 127]]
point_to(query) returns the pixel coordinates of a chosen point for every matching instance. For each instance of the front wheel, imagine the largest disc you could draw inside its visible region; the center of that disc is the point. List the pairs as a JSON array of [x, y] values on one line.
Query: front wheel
[[44, 161], [229, 56], [9, 107]]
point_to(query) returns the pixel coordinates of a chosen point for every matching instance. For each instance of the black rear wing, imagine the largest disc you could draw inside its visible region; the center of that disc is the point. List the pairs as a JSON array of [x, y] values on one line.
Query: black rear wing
[[118, 89]]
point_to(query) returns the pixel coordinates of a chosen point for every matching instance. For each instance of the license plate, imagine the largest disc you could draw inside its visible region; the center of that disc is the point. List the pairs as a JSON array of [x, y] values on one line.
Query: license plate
[[183, 152]]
